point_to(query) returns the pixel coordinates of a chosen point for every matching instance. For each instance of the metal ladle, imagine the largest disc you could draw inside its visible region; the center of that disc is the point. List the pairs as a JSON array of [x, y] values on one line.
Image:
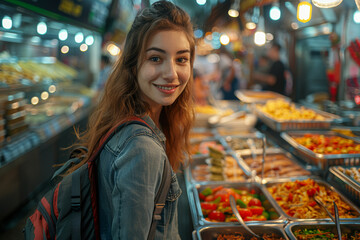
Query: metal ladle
[[239, 218]]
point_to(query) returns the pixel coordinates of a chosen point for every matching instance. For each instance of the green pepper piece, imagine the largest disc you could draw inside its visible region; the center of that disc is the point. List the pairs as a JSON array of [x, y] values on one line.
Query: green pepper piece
[[273, 215], [262, 197], [237, 191], [266, 215], [255, 196], [217, 200], [241, 203], [207, 191]]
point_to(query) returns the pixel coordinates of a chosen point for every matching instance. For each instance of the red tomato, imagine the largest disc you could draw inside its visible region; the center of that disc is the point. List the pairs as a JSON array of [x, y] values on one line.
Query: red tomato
[[210, 198], [224, 194], [311, 204], [290, 197], [244, 212], [254, 202], [217, 189], [202, 197], [256, 210], [311, 192], [208, 206], [217, 216]]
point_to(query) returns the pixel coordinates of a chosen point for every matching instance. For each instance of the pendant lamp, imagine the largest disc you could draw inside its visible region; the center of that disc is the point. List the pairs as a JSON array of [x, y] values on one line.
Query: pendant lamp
[[326, 3]]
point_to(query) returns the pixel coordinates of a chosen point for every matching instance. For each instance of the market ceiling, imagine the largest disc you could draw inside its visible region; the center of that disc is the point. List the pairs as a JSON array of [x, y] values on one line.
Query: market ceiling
[[215, 13]]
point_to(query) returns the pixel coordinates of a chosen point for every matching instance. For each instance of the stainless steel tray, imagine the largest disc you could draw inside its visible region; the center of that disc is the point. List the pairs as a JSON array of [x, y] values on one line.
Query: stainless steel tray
[[248, 96], [346, 184], [243, 186], [287, 125], [203, 162], [277, 168], [323, 161], [319, 181], [345, 227], [211, 232]]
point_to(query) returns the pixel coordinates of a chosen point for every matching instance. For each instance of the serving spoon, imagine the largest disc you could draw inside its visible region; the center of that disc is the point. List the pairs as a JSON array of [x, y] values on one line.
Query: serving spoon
[[239, 218]]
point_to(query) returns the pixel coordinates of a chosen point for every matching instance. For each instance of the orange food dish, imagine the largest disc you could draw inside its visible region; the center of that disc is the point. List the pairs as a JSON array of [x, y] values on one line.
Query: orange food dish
[[322, 144]]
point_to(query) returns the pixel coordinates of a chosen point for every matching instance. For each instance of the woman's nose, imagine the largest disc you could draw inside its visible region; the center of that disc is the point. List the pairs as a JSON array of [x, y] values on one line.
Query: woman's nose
[[169, 70]]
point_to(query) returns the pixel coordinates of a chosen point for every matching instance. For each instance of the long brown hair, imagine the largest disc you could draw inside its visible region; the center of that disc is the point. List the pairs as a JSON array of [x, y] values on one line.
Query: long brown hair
[[121, 98]]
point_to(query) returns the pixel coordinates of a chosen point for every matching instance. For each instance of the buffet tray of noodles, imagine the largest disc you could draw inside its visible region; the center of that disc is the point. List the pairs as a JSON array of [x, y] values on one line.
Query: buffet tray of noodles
[[237, 232], [281, 115], [324, 148], [322, 230], [212, 207], [347, 180], [295, 198]]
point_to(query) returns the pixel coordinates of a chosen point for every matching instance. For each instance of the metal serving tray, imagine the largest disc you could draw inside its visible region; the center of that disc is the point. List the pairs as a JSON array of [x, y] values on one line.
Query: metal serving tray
[[248, 96], [212, 232], [323, 161], [275, 152], [287, 125], [198, 134], [345, 227], [319, 181], [244, 186], [346, 184], [203, 161]]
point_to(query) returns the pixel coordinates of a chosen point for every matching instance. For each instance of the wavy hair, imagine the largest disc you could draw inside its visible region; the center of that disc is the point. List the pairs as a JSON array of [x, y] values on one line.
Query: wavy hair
[[121, 98]]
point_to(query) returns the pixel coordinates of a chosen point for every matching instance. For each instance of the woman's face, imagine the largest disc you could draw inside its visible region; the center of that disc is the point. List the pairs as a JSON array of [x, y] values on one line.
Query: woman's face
[[166, 69]]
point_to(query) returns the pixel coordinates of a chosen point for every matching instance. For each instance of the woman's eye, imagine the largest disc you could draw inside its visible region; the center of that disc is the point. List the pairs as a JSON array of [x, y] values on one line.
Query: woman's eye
[[182, 60], [154, 59]]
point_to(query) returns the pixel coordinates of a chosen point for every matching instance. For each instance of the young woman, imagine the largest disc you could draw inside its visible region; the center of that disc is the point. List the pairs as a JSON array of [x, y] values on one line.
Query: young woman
[[152, 80]]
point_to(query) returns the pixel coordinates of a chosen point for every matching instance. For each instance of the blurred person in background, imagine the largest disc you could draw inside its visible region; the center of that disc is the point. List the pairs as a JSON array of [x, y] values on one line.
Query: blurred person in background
[[274, 80], [228, 80]]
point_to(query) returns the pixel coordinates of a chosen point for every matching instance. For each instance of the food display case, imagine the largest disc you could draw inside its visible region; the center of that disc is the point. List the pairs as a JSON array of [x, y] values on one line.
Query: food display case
[[322, 230], [213, 232], [331, 149]]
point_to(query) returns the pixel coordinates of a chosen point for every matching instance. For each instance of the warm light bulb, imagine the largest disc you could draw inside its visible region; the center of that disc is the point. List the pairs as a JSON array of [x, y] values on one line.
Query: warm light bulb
[[304, 12], [326, 3], [233, 13], [260, 38], [83, 47], [250, 25], [64, 49], [224, 39]]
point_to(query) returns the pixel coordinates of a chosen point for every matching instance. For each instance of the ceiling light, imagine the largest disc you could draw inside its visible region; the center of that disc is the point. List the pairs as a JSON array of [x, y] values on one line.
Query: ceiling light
[[83, 47], [275, 12], [79, 37], [7, 22], [260, 36], [224, 39], [250, 25], [201, 2], [41, 28], [89, 40], [304, 10], [234, 9], [63, 34], [113, 49], [64, 49], [326, 3], [356, 16], [294, 25]]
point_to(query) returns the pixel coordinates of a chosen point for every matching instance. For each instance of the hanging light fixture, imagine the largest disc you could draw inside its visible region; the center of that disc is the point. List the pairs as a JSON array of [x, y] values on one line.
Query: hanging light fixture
[[234, 9], [275, 12], [326, 3], [260, 36], [304, 10]]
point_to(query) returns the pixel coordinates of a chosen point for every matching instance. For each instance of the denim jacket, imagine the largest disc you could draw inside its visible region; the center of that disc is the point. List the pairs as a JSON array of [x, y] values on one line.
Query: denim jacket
[[130, 169]]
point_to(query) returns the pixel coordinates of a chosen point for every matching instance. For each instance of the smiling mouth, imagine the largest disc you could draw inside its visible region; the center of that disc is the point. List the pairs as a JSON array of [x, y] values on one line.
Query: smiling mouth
[[166, 87]]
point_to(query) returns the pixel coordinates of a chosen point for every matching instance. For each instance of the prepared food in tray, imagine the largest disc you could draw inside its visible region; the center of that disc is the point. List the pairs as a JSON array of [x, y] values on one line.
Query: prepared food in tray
[[322, 231], [326, 144], [202, 147], [296, 198], [266, 231], [238, 143], [218, 166], [251, 203], [276, 165], [200, 133], [281, 110], [353, 172]]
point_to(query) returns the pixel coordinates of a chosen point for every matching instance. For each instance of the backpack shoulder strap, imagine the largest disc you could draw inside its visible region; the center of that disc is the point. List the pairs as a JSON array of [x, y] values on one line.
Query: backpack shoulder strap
[[160, 198]]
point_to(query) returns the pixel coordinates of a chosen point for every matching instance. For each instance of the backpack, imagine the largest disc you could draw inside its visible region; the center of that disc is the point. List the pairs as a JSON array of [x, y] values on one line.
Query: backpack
[[70, 209]]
